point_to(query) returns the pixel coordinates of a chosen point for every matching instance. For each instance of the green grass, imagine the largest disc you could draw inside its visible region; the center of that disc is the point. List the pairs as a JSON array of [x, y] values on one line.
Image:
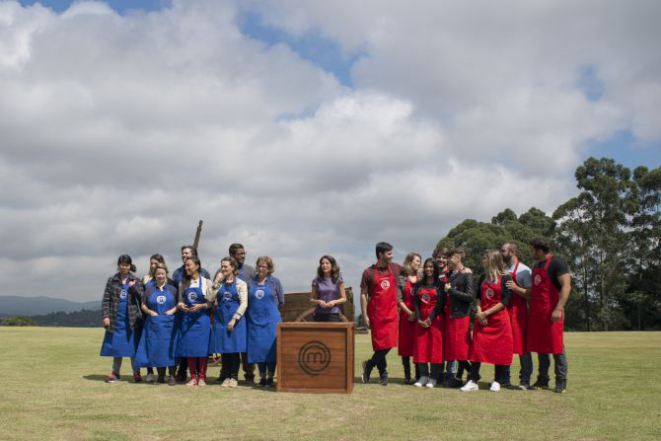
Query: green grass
[[51, 387]]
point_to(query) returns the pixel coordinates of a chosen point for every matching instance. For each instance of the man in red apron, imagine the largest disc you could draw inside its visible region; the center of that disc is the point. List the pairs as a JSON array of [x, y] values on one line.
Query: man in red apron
[[551, 285], [378, 302], [518, 311]]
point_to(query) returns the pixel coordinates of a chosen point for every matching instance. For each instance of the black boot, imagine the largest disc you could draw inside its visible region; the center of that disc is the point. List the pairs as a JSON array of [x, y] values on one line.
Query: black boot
[[368, 365], [406, 362]]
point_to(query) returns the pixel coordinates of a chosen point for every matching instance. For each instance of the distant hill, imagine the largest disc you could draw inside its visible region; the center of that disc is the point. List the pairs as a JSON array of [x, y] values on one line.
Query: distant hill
[[14, 306], [78, 319]]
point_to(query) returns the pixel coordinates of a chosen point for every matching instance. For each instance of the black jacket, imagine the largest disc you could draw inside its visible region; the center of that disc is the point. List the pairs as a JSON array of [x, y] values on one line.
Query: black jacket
[[462, 294]]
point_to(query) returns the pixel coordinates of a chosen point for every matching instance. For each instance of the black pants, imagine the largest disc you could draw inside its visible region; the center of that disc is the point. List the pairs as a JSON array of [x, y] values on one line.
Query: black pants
[[500, 369], [230, 365], [266, 369], [248, 368], [436, 368], [334, 318], [161, 371], [379, 360]]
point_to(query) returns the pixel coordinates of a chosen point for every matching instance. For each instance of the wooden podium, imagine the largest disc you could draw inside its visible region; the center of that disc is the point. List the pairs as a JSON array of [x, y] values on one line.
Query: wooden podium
[[315, 357]]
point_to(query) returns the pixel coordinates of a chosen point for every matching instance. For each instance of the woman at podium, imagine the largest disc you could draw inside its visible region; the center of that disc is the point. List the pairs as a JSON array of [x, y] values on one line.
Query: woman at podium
[[328, 291]]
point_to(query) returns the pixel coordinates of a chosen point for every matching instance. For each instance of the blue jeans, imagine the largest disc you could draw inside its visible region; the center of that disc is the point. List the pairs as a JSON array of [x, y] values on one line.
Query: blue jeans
[[526, 369]]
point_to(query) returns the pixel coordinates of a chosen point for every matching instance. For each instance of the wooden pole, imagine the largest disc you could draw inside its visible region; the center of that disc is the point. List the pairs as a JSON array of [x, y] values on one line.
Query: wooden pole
[[198, 233]]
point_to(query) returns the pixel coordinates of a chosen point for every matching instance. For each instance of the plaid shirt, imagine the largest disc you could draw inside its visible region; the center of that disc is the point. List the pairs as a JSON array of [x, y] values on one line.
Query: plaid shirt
[[110, 301]]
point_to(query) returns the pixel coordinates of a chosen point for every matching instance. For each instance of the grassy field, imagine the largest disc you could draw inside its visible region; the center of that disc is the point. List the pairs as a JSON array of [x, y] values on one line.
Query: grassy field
[[51, 387]]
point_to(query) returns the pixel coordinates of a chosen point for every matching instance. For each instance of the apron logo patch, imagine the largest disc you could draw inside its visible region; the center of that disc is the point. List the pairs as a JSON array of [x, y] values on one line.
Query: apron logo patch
[[489, 293], [122, 294], [160, 300], [227, 295], [385, 284], [538, 279], [425, 298], [259, 294], [192, 296], [314, 357]]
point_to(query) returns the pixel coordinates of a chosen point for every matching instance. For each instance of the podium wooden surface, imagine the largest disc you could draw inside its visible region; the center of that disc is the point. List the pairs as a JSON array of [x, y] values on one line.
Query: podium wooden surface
[[315, 357]]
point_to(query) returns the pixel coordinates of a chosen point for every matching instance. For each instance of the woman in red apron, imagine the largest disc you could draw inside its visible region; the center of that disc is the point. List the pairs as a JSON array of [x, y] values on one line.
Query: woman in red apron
[[407, 320], [492, 330], [428, 347]]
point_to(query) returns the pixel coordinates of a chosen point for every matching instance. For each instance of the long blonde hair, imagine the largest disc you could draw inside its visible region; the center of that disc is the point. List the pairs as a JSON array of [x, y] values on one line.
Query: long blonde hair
[[407, 263], [494, 264]]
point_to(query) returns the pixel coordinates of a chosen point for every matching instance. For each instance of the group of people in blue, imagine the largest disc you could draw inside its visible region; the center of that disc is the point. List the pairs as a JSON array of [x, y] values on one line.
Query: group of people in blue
[[165, 323]]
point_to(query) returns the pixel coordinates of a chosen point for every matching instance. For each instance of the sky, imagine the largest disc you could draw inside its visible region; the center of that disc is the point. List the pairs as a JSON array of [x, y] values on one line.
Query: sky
[[301, 128]]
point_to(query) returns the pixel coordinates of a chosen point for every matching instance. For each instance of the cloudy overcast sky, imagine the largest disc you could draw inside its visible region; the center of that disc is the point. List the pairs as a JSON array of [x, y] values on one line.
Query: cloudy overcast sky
[[301, 128]]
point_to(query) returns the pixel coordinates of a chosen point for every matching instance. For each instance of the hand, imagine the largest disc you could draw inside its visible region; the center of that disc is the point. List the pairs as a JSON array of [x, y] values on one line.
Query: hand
[[230, 325], [219, 278], [557, 315], [481, 316], [153, 314], [411, 316], [106, 322], [448, 286], [184, 308], [511, 285], [323, 304], [424, 324], [483, 321], [367, 321], [330, 304], [199, 307], [131, 283], [170, 312]]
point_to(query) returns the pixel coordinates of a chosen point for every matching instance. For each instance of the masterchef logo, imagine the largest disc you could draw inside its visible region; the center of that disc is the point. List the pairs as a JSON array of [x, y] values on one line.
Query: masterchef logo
[[314, 357], [538, 279], [385, 284], [489, 293]]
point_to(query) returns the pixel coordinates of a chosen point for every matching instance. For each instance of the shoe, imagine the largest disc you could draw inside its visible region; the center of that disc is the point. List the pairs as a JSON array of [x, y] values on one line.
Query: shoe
[[409, 381], [383, 380], [201, 382], [233, 383], [421, 382], [161, 380], [249, 381], [137, 378], [112, 378], [226, 383], [431, 383], [469, 387], [367, 371], [150, 377], [495, 387], [172, 381], [560, 386], [220, 379], [540, 384], [269, 382], [453, 383], [192, 382], [524, 386], [262, 381], [505, 385]]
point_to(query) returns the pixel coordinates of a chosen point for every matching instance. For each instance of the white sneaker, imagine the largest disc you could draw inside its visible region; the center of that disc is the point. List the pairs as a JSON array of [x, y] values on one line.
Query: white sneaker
[[431, 383], [495, 386], [150, 377], [421, 382], [470, 386]]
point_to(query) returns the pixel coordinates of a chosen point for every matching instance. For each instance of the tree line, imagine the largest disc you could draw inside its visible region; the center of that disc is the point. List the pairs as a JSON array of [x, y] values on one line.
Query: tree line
[[609, 235]]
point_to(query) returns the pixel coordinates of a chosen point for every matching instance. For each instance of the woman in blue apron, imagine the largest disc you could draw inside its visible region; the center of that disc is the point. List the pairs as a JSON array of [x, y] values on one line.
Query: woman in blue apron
[[157, 344], [265, 298], [121, 317], [228, 334], [195, 328]]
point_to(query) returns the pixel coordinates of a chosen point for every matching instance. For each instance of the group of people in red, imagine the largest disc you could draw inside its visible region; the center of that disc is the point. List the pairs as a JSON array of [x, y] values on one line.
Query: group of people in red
[[424, 309]]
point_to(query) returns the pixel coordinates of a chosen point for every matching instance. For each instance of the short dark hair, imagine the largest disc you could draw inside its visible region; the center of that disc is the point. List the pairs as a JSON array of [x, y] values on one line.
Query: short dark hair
[[192, 249], [539, 243], [513, 247], [234, 248], [382, 247], [441, 250], [125, 258]]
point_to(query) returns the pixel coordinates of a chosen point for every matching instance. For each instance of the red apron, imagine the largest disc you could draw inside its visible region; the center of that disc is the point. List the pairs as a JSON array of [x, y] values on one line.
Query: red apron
[[518, 311], [406, 328], [382, 310], [428, 341], [456, 333], [492, 343], [544, 335]]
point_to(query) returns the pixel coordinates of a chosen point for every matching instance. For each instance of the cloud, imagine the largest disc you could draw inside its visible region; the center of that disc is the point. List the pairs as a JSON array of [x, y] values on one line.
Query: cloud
[[120, 132]]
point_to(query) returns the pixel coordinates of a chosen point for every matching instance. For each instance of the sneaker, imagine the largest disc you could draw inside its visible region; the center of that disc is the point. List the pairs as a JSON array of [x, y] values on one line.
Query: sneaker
[[469, 387], [226, 383], [524, 386], [249, 380], [233, 383], [201, 382], [453, 383], [431, 383], [172, 381], [269, 382], [220, 379], [421, 382], [150, 377], [137, 378], [383, 380], [367, 371], [262, 381], [113, 377], [495, 386], [192, 382], [409, 380], [540, 384], [161, 380], [560, 386]]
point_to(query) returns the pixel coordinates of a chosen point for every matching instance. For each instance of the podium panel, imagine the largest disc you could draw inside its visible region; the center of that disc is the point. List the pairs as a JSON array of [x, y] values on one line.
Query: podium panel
[[315, 357]]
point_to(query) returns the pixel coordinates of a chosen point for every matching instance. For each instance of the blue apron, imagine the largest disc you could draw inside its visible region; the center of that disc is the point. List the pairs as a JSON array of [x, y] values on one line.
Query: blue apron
[[195, 327], [262, 318], [222, 340], [157, 344], [122, 342]]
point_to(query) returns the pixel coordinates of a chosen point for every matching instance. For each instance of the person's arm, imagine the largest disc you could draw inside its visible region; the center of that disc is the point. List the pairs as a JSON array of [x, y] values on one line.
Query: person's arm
[[565, 290], [147, 310], [343, 295], [401, 284], [439, 304], [210, 294], [314, 296], [242, 293], [181, 305], [173, 292], [105, 304]]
